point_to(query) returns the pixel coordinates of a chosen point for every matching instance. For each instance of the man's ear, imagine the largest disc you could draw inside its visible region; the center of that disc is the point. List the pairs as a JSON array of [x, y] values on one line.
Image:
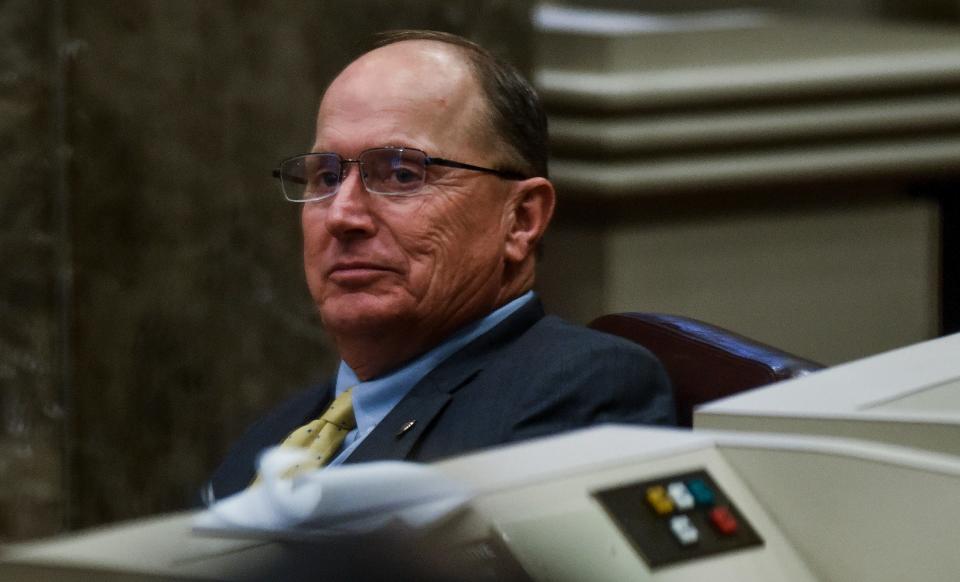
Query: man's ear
[[532, 208]]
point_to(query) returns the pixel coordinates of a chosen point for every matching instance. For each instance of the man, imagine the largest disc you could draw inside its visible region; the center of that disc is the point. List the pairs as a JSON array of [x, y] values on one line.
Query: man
[[424, 199]]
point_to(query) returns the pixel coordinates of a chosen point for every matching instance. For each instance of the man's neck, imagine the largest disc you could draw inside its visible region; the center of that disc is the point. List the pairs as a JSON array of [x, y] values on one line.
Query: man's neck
[[376, 354]]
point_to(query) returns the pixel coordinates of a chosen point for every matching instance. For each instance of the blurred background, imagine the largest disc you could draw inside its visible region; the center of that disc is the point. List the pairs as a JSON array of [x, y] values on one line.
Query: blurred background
[[783, 169]]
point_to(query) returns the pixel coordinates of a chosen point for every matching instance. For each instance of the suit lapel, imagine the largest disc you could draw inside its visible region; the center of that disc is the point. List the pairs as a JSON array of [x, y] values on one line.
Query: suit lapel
[[408, 422], [403, 427]]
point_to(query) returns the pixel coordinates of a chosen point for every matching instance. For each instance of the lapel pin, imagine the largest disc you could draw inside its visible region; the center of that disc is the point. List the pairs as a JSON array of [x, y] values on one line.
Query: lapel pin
[[406, 427]]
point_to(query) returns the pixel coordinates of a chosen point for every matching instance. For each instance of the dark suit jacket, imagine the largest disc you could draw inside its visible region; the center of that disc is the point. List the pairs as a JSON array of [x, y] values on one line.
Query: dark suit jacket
[[531, 375]]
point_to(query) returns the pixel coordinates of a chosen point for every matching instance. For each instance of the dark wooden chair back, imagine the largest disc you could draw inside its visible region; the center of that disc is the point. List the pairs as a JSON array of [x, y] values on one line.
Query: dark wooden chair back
[[704, 362]]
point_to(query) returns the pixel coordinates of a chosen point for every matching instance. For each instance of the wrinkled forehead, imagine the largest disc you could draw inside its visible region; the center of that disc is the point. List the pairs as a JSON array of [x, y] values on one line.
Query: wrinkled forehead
[[425, 87]]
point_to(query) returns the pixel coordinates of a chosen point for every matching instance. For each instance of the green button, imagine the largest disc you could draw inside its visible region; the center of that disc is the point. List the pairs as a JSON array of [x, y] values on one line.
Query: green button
[[702, 493]]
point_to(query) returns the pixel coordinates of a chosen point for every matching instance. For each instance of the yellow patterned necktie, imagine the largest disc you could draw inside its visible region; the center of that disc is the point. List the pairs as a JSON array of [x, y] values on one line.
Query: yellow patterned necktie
[[322, 437]]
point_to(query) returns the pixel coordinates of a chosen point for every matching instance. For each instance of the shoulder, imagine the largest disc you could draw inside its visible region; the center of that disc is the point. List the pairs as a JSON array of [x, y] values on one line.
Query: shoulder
[[561, 369], [552, 337]]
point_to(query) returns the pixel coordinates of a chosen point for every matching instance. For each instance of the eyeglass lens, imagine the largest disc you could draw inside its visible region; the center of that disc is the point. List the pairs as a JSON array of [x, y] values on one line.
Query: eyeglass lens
[[394, 171]]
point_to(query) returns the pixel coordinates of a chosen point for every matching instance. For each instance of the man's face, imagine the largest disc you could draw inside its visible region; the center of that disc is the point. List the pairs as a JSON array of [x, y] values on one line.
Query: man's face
[[427, 263]]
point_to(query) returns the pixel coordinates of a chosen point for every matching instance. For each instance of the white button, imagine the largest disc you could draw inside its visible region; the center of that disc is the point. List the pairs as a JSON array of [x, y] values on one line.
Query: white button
[[684, 530], [681, 495]]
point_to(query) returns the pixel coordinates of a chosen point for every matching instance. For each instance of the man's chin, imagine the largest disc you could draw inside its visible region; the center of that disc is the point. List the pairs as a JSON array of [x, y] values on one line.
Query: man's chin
[[361, 314]]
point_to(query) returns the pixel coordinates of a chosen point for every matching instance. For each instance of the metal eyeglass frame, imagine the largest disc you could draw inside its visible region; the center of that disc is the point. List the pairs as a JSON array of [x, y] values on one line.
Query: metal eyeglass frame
[[427, 161]]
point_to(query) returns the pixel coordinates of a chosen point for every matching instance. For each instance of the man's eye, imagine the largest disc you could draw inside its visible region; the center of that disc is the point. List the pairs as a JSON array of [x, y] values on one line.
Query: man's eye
[[405, 175], [327, 179]]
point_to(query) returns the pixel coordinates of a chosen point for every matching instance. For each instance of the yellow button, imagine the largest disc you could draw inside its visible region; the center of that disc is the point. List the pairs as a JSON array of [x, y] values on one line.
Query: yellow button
[[659, 500]]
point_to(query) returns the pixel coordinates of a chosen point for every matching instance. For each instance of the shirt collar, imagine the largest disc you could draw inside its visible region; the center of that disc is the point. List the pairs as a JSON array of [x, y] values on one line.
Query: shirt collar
[[373, 399]]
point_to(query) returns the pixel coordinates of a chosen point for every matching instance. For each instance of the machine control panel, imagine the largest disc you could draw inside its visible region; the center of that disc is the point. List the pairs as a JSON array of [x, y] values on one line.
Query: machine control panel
[[678, 518]]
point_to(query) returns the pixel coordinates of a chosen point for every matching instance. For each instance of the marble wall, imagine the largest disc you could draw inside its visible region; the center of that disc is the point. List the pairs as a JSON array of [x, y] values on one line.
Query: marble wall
[[31, 401], [151, 301]]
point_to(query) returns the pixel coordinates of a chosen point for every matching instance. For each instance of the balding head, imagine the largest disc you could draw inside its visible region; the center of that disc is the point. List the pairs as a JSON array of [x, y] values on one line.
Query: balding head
[[514, 115], [431, 81]]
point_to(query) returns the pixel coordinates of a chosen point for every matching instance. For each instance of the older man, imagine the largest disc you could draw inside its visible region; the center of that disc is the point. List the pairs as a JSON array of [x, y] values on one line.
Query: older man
[[424, 199]]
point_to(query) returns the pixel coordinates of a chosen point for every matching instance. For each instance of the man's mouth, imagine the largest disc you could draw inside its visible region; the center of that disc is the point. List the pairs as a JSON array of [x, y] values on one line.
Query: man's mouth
[[355, 273]]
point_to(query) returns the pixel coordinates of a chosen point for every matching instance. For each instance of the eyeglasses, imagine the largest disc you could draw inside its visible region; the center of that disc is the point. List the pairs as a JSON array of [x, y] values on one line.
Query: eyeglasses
[[391, 171]]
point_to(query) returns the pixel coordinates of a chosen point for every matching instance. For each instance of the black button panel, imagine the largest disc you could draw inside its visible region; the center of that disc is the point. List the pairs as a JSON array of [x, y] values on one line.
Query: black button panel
[[677, 518]]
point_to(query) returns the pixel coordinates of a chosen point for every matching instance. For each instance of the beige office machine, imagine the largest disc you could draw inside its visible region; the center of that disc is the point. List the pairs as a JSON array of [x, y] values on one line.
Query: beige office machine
[[909, 397], [622, 503]]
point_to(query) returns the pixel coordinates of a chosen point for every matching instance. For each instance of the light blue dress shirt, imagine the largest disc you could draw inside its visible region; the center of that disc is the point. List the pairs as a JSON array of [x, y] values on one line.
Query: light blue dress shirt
[[374, 399]]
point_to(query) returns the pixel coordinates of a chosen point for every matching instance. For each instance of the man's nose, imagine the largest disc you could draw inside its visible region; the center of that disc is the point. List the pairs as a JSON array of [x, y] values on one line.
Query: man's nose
[[349, 213]]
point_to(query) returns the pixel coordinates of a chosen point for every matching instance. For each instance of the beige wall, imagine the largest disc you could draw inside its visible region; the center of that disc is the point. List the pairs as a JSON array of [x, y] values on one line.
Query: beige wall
[[760, 175], [831, 283]]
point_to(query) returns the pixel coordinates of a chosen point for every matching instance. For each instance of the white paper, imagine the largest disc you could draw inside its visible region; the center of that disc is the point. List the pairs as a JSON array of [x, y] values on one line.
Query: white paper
[[345, 498]]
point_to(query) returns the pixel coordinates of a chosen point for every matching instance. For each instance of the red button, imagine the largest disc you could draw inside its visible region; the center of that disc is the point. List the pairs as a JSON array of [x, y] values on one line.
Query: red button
[[723, 520]]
